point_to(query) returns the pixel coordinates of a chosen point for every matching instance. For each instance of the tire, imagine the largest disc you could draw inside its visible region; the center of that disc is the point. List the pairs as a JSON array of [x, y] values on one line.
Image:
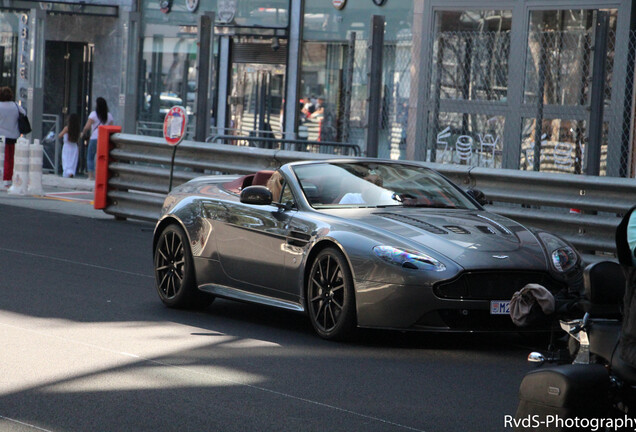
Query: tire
[[330, 296], [174, 271]]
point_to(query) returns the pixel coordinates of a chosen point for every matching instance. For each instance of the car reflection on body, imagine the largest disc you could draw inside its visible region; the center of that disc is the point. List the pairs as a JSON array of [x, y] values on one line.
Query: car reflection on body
[[353, 243]]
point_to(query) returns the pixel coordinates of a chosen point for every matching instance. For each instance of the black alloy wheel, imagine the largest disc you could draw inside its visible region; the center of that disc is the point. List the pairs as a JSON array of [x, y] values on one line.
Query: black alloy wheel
[[330, 296], [174, 271]]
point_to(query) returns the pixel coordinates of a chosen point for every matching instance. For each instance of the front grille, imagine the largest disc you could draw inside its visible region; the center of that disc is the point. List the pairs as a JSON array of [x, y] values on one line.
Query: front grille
[[499, 285]]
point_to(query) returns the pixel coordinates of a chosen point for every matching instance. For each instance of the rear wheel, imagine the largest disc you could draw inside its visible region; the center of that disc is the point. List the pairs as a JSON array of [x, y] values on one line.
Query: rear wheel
[[174, 271], [330, 296]]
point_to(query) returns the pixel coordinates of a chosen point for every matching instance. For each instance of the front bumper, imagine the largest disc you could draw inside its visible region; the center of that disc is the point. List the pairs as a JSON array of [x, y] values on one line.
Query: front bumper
[[461, 304]]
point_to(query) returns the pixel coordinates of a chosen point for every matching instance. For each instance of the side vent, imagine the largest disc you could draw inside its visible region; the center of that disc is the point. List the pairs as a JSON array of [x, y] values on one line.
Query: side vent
[[456, 229], [486, 229], [412, 221]]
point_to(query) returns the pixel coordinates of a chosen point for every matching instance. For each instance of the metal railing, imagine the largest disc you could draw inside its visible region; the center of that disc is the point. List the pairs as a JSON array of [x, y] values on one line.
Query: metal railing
[[584, 210], [51, 126], [139, 169], [261, 140]]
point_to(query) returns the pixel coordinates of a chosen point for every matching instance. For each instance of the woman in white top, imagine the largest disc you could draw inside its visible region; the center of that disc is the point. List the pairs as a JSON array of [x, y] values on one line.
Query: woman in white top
[[97, 118], [70, 150], [9, 129]]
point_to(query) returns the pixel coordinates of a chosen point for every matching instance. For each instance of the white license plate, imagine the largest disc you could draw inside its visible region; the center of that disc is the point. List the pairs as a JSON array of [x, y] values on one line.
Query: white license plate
[[500, 307]]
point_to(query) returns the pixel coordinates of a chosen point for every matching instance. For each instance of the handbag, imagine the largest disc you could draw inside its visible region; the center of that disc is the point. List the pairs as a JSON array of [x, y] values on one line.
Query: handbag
[[24, 126]]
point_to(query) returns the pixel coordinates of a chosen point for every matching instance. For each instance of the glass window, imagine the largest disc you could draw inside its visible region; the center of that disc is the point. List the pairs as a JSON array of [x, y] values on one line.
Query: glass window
[[286, 196], [168, 75], [9, 27], [561, 146], [470, 55], [560, 56], [335, 68], [254, 13], [469, 139]]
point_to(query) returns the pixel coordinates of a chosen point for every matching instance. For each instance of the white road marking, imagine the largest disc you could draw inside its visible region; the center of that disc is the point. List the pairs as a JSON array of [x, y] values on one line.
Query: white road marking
[[24, 424], [217, 377], [74, 262]]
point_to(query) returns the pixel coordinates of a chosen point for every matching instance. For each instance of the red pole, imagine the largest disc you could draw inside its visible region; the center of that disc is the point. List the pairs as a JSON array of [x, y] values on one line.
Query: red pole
[[101, 165]]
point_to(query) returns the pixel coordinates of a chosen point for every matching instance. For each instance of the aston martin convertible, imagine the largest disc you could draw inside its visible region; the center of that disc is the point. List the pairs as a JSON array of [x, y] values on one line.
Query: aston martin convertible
[[353, 243]]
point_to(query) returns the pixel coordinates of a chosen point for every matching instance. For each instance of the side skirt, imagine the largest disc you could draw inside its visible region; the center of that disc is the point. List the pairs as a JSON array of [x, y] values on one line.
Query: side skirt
[[240, 295]]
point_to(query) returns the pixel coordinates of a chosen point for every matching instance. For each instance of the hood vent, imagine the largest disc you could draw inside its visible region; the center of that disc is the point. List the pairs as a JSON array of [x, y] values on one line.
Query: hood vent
[[412, 221], [485, 229], [457, 229]]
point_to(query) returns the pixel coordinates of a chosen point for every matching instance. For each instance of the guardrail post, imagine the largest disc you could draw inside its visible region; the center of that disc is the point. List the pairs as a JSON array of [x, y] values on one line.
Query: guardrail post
[[101, 165]]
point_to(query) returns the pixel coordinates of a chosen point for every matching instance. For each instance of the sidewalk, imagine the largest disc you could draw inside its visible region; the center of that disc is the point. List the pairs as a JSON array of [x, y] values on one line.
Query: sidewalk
[[61, 195], [64, 183]]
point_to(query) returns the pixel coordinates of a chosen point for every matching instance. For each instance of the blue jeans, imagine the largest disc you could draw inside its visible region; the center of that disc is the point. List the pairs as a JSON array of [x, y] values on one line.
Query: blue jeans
[[90, 155]]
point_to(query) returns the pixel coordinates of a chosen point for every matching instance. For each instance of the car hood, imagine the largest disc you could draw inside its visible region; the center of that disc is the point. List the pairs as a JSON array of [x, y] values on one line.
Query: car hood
[[472, 238]]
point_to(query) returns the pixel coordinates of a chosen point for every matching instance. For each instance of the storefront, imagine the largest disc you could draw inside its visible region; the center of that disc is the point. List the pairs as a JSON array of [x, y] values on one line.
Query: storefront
[[56, 56], [505, 84]]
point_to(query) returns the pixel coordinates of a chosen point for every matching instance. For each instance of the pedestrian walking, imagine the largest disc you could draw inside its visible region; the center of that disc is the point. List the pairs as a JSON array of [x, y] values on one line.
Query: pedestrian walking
[[70, 150], [97, 118], [9, 111]]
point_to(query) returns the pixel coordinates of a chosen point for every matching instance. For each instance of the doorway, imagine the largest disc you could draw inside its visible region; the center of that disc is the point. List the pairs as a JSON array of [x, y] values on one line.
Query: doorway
[[67, 89], [256, 101], [257, 87]]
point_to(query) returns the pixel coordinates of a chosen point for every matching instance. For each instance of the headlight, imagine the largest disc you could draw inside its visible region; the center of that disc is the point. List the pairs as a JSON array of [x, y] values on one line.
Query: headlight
[[563, 257], [407, 259]]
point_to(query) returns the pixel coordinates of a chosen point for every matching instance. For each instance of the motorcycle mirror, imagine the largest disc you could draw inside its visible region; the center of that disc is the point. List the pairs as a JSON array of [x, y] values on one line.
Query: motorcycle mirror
[[535, 357]]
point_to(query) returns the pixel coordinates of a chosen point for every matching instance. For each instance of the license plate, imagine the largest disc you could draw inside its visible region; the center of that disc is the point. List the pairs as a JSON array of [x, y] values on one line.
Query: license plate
[[500, 307]]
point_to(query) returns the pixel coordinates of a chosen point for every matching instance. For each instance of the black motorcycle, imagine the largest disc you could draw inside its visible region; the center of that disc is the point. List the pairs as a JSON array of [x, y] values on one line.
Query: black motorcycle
[[595, 390]]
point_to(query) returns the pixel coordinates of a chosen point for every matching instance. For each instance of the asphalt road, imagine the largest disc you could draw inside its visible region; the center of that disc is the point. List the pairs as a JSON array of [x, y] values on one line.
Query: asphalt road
[[86, 345]]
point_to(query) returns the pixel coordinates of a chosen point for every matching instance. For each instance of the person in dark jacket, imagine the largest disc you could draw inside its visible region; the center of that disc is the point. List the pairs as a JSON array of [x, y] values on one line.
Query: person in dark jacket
[[625, 251]]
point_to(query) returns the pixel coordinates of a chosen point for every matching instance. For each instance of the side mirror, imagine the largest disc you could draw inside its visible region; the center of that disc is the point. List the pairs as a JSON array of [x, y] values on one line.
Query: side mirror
[[256, 195], [478, 196]]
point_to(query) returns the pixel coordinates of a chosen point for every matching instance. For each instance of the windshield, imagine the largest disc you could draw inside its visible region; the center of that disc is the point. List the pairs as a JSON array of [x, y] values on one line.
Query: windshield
[[377, 184]]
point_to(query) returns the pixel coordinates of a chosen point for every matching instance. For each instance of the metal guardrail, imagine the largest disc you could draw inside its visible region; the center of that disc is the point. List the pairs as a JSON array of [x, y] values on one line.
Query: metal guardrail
[[585, 210], [139, 172], [261, 140]]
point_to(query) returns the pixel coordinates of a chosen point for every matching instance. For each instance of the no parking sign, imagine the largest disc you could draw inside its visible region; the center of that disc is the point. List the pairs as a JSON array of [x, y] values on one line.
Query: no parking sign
[[174, 125]]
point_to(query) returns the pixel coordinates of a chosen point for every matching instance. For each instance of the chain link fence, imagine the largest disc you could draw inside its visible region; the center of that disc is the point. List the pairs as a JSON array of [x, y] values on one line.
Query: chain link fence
[[469, 73], [569, 105], [572, 118]]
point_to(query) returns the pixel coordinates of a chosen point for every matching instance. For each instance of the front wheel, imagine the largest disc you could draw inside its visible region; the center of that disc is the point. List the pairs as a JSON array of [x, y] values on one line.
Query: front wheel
[[174, 271], [330, 296]]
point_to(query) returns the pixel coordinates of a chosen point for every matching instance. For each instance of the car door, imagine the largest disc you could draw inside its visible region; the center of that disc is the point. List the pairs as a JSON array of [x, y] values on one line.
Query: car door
[[251, 242]]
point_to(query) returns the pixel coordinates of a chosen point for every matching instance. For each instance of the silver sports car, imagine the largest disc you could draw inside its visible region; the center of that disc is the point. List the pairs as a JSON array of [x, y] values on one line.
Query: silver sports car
[[353, 243]]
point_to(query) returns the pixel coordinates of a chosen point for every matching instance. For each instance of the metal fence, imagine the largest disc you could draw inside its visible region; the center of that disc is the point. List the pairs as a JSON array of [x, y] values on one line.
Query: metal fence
[[567, 109], [583, 209], [51, 126], [264, 140]]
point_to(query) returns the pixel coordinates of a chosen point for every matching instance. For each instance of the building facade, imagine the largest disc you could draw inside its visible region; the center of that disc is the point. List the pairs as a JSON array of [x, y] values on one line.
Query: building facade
[[521, 84]]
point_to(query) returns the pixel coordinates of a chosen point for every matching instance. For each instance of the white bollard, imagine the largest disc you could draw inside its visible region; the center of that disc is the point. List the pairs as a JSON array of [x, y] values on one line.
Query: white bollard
[[20, 167], [36, 153], [2, 141]]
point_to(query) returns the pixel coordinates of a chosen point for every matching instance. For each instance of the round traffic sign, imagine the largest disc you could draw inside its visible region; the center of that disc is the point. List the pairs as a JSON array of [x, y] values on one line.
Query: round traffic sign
[[174, 125]]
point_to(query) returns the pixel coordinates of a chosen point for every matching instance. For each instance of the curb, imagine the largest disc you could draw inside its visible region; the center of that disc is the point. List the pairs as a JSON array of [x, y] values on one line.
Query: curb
[[80, 184]]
